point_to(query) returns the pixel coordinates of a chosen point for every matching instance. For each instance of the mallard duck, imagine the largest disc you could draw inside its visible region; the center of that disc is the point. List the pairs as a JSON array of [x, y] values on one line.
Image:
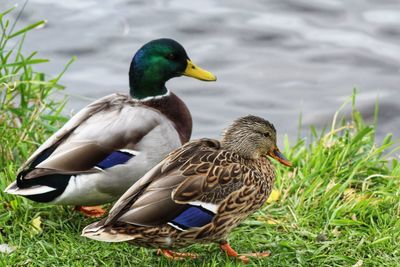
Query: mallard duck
[[198, 193], [107, 146]]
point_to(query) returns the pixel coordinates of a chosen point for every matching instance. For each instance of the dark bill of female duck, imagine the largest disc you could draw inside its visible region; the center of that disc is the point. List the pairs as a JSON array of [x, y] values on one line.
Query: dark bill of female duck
[[277, 154]]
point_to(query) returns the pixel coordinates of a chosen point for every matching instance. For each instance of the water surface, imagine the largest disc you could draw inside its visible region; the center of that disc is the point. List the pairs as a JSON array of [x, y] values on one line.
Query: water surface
[[275, 59]]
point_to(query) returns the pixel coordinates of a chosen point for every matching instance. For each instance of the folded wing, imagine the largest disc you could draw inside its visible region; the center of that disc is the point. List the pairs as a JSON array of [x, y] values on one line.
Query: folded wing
[[184, 190]]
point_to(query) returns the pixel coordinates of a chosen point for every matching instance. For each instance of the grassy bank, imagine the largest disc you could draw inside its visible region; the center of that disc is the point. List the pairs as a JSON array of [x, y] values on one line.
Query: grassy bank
[[338, 205]]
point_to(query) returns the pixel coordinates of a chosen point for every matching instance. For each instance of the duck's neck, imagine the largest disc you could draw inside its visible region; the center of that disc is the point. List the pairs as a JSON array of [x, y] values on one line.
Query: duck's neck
[[141, 88], [145, 81], [234, 143]]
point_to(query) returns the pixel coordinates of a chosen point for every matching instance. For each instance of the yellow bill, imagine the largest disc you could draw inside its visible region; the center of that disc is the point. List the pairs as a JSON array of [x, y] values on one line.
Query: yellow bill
[[196, 72]]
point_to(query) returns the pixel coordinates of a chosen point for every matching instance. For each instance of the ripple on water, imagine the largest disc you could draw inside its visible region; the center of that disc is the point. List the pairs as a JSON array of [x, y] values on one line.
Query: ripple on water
[[272, 58]]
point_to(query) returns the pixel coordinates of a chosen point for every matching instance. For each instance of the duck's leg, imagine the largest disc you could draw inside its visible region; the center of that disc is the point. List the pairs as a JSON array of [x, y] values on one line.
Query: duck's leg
[[91, 211], [173, 255], [224, 245]]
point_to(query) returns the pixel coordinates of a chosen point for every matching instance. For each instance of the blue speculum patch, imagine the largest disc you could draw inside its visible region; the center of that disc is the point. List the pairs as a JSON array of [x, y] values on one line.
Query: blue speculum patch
[[115, 158], [193, 217]]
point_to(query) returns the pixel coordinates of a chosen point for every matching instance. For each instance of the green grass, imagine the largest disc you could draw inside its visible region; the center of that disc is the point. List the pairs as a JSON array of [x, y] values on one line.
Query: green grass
[[339, 204]]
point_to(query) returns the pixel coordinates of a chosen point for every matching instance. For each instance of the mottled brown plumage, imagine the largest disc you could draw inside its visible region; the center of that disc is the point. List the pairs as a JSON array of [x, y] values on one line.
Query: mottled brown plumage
[[217, 183]]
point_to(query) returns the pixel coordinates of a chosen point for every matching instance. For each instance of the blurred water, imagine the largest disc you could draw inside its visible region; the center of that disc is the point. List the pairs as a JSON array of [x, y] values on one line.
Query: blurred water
[[275, 59]]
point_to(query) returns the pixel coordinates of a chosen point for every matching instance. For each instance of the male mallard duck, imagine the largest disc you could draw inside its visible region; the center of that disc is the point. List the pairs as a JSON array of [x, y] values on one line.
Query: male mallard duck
[[197, 194], [107, 146]]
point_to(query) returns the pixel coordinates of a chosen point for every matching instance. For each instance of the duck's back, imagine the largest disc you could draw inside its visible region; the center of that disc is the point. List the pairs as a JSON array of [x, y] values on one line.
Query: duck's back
[[197, 194], [104, 149]]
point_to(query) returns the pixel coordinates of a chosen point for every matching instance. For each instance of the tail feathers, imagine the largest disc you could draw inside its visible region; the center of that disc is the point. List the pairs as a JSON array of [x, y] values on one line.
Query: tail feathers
[[33, 190], [99, 232]]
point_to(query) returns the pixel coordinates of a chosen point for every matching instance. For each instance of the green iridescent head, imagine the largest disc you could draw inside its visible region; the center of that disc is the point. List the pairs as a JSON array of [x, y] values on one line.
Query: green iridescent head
[[158, 61]]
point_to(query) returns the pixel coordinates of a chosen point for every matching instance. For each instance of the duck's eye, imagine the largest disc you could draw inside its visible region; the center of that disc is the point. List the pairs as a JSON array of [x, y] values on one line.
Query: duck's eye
[[171, 56], [267, 134]]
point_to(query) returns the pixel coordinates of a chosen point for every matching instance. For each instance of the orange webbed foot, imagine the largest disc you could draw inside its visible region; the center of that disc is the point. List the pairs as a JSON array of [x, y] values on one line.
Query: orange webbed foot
[[243, 257], [91, 211], [173, 255]]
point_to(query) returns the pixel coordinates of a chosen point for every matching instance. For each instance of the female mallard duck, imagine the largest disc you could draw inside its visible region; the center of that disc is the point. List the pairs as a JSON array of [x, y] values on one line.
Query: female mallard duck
[[197, 194], [107, 146]]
